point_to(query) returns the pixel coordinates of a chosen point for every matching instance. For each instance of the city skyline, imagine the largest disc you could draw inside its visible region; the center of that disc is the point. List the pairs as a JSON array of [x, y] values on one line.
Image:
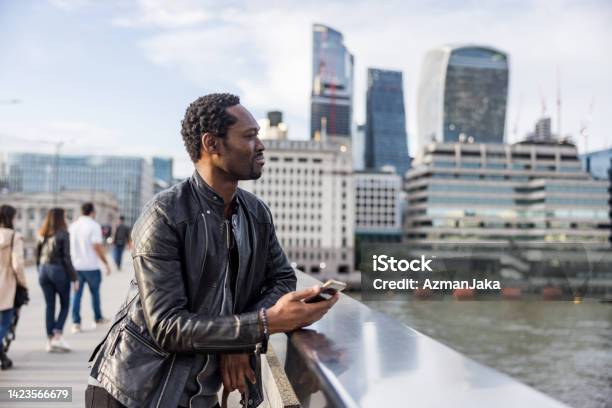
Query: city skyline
[[127, 77]]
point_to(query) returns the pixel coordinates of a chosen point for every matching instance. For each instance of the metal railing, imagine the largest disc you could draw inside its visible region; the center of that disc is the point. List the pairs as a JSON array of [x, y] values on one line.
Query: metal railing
[[358, 357]]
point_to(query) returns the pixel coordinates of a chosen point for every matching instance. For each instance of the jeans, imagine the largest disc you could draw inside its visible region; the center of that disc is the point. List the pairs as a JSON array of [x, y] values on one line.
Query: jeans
[[93, 279], [54, 281], [118, 254], [6, 318], [98, 397]]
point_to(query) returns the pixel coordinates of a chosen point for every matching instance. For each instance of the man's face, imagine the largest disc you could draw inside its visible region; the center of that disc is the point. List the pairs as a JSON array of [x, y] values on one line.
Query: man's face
[[241, 151]]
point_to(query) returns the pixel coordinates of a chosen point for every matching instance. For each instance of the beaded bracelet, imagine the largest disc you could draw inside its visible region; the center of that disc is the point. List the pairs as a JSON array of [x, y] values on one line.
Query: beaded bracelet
[[264, 320], [263, 316]]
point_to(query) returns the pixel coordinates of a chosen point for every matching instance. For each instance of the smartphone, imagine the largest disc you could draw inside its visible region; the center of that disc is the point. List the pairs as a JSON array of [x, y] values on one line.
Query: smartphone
[[328, 290]]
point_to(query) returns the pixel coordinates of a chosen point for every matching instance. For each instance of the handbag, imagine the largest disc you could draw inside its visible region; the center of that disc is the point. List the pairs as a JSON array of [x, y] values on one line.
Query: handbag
[[21, 293]]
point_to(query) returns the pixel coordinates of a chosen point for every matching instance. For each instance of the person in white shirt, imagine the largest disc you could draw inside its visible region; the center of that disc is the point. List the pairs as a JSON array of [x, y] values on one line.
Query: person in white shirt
[[87, 251]]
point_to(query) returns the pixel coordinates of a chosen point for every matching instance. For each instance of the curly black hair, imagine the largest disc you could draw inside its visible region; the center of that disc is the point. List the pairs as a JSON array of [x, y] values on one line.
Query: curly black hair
[[207, 114]]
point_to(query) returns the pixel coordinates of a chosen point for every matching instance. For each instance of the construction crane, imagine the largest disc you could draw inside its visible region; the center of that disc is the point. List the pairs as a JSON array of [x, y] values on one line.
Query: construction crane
[[542, 102]]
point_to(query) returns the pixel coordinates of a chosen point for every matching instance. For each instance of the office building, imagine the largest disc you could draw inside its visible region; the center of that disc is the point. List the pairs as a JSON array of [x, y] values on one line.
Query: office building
[[308, 186], [32, 209], [377, 205], [162, 173], [516, 205], [542, 132], [332, 84], [462, 95], [597, 163], [273, 127], [130, 179], [386, 143], [358, 147]]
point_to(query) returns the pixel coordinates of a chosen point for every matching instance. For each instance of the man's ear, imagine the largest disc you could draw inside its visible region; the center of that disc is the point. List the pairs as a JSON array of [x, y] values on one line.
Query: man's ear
[[210, 143]]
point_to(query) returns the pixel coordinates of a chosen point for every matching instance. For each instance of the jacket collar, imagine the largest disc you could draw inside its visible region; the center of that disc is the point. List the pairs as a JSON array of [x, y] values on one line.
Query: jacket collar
[[206, 193]]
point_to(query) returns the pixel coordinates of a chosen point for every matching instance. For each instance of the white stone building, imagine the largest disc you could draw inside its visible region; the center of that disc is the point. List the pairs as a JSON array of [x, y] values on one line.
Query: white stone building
[[32, 209], [377, 203], [308, 186]]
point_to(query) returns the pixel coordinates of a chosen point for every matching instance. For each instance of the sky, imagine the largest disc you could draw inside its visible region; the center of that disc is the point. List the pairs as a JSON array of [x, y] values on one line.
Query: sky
[[115, 77]]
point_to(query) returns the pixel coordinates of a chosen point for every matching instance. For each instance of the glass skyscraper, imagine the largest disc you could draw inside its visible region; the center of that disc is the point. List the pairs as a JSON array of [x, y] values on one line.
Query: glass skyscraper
[[386, 142], [462, 95], [162, 169], [130, 179], [332, 84], [598, 163]]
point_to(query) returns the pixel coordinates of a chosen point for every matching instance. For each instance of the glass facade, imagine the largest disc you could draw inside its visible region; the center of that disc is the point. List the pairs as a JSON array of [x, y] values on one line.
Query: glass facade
[[162, 169], [463, 93], [456, 198], [386, 142], [128, 178], [597, 163], [332, 83]]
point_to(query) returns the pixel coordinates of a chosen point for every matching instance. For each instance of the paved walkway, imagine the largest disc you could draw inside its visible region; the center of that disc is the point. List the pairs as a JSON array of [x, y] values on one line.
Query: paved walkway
[[34, 366]]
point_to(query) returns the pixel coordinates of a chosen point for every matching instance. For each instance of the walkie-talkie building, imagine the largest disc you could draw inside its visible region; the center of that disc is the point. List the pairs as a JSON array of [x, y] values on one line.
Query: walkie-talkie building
[[462, 95], [332, 84]]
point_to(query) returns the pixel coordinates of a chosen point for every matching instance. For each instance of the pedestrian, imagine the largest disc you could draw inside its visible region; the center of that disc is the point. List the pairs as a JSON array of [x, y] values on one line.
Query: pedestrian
[[212, 280], [121, 238], [87, 250], [55, 272], [11, 275]]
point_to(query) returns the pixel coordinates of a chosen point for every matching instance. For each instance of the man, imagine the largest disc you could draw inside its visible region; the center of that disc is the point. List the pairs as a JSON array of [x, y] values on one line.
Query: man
[[121, 238], [212, 281], [86, 249]]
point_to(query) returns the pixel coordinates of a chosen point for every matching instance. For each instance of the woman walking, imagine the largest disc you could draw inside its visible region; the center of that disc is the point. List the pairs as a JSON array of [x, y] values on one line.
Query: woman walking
[[11, 274], [55, 271]]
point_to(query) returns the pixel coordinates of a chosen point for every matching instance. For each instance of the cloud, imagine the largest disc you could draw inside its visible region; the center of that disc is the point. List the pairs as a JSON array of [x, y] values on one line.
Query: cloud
[[75, 137], [165, 14], [243, 53], [70, 5], [262, 51]]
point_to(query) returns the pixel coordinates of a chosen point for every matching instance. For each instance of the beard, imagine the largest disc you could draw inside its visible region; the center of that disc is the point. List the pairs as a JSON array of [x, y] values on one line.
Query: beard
[[255, 172]]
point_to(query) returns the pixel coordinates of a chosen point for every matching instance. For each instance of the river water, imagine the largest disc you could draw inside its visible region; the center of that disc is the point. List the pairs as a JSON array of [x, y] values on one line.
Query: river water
[[560, 348]]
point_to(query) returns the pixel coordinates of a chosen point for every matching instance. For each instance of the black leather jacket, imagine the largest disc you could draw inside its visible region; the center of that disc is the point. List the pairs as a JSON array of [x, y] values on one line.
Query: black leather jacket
[[56, 250], [172, 309]]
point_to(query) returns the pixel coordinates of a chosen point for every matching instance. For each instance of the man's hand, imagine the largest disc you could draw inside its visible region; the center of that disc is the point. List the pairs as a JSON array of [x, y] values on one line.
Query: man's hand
[[234, 369], [290, 312], [101, 251]]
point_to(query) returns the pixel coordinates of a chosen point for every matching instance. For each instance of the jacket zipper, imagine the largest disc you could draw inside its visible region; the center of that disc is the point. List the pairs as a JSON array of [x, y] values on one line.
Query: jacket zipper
[[161, 395], [116, 341], [226, 281], [205, 242], [145, 342]]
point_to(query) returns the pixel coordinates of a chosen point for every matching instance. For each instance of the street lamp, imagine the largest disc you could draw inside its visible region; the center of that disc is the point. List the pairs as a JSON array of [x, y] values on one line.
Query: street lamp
[[13, 101]]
